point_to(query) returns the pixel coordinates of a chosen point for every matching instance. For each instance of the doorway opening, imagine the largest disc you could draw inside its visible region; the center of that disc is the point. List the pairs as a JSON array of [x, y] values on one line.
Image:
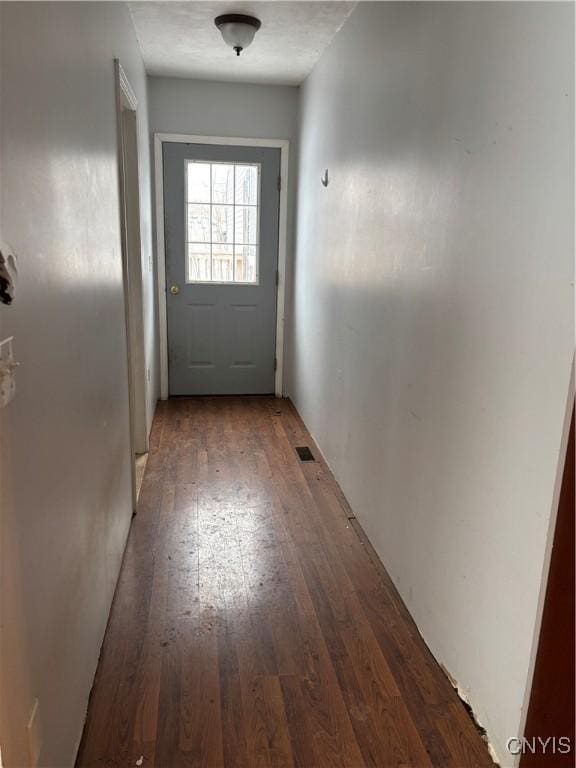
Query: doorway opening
[[127, 128]]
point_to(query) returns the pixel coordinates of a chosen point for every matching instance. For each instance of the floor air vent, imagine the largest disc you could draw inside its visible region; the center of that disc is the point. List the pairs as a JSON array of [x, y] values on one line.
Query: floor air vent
[[304, 453]]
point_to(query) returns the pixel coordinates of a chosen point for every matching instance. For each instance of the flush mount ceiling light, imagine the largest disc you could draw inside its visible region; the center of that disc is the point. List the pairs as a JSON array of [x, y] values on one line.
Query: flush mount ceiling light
[[237, 30]]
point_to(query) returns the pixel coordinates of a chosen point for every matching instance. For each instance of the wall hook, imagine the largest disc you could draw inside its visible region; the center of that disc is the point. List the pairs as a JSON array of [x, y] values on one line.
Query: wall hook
[[325, 178]]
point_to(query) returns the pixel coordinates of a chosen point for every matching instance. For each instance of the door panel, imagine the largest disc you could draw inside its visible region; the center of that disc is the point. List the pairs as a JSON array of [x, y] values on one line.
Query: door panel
[[201, 337], [244, 321], [221, 238]]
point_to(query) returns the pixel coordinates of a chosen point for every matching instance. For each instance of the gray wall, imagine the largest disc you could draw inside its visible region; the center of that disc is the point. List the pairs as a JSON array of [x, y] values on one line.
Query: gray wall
[[241, 110], [65, 459], [433, 323]]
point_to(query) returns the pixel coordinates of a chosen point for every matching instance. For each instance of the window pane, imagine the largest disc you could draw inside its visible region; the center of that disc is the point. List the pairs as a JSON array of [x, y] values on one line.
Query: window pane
[[223, 224], [199, 223], [222, 183], [222, 263], [246, 226], [245, 256], [246, 185], [198, 183], [198, 262]]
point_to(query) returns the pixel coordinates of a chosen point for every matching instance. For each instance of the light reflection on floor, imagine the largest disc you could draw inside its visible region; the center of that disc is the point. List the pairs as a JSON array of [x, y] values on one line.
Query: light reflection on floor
[[140, 462]]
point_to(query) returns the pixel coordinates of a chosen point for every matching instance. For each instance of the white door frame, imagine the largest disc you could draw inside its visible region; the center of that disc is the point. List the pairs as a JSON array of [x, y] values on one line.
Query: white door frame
[[283, 145], [126, 125]]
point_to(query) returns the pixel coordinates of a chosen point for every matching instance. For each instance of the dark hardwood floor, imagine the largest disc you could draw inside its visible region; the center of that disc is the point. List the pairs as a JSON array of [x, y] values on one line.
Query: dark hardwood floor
[[253, 624]]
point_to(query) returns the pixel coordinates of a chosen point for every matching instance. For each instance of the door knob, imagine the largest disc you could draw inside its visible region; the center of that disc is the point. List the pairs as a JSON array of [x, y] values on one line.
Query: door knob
[[175, 290]]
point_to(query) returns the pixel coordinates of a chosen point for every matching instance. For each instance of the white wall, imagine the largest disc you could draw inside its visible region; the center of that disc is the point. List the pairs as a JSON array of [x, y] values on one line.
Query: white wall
[[433, 330], [65, 496], [241, 110]]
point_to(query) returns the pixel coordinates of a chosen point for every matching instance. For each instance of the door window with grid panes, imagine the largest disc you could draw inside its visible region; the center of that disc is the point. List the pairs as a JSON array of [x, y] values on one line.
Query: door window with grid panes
[[222, 222]]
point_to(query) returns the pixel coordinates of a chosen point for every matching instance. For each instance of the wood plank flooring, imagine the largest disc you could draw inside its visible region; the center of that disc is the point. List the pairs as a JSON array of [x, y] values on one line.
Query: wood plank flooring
[[253, 626]]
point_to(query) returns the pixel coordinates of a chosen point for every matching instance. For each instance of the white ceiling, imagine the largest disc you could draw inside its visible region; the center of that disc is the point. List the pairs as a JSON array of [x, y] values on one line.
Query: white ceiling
[[179, 39]]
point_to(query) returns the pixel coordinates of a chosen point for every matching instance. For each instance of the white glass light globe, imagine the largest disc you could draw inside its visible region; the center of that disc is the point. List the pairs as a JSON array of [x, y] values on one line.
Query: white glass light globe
[[237, 30]]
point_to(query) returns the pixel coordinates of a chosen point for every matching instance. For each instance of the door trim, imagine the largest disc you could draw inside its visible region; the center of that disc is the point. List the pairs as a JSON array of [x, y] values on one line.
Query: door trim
[[283, 145], [129, 192], [562, 453]]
